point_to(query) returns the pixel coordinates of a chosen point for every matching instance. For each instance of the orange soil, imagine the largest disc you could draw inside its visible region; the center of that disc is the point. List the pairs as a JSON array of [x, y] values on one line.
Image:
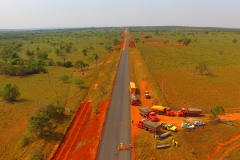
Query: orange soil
[[84, 135], [132, 44]]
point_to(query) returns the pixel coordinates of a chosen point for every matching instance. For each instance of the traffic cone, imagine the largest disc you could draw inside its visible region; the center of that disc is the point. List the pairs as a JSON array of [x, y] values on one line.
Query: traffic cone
[[124, 147], [119, 148]]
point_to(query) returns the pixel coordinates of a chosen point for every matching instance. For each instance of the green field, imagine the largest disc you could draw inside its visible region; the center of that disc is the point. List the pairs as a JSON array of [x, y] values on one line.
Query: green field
[[40, 90]]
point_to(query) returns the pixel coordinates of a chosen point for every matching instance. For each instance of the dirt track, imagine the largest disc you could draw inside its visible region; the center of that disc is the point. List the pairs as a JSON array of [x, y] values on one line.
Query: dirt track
[[69, 143]]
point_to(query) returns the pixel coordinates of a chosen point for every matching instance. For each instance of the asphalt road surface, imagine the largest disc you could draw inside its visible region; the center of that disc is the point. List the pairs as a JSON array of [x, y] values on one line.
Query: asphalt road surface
[[117, 127]]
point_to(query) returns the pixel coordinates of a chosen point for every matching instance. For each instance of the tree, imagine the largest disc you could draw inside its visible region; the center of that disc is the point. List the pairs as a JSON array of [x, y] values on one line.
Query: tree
[[115, 41], [37, 154], [84, 51], [10, 93], [54, 111], [186, 42], [40, 125], [108, 48], [95, 57], [235, 40], [136, 40], [80, 64], [216, 111], [78, 81], [63, 77], [202, 67]]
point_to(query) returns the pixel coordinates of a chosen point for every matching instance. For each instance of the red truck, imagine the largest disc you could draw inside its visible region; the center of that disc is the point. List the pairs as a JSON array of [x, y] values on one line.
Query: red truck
[[149, 126], [163, 110], [189, 112], [149, 114]]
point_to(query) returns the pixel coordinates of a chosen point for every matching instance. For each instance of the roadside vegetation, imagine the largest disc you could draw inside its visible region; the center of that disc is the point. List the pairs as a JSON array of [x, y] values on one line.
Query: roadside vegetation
[[50, 73]]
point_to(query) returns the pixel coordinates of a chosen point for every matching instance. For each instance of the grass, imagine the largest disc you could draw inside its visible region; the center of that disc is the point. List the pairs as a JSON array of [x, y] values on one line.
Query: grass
[[39, 90], [173, 69]]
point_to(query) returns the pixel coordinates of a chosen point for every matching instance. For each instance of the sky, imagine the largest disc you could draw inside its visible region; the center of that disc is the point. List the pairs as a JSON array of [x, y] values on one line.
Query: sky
[[30, 14]]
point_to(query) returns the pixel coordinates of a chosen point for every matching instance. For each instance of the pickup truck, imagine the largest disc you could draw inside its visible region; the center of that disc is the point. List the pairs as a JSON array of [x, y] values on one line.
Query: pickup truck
[[169, 127]]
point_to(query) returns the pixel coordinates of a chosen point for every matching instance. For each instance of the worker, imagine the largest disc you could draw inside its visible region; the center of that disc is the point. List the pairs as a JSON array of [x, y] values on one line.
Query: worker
[[130, 146], [173, 142], [121, 145], [176, 143]]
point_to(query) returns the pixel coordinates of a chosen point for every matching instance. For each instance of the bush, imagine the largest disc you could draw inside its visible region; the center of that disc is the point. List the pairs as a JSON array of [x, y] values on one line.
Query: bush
[[63, 77], [37, 155], [10, 93], [67, 64]]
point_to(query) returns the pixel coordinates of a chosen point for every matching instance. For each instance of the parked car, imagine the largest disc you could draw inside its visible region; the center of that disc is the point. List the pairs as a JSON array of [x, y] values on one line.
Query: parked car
[[199, 123], [133, 96], [135, 102], [187, 125], [147, 95]]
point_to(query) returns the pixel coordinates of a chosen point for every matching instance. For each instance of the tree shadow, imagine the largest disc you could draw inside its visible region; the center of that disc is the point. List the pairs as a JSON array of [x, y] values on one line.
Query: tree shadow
[[54, 137]]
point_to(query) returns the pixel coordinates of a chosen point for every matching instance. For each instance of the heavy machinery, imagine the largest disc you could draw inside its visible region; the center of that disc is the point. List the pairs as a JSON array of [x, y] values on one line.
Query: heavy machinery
[[149, 114], [189, 112], [148, 125], [132, 87], [163, 110]]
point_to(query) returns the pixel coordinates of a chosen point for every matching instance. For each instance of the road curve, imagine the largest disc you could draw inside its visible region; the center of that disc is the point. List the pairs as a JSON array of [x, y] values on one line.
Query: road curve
[[117, 128]]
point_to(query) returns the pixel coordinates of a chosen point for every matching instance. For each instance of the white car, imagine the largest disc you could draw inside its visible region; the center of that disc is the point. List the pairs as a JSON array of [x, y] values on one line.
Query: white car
[[188, 125], [199, 123]]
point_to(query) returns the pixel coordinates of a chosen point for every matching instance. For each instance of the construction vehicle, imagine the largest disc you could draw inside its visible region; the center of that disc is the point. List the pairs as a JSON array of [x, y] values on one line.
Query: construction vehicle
[[132, 87], [163, 110], [189, 112], [169, 127], [147, 95], [148, 125], [149, 114]]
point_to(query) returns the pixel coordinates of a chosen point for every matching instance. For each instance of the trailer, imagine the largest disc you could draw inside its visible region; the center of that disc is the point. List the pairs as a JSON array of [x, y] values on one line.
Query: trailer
[[164, 135], [149, 114], [189, 112], [163, 110], [162, 146], [148, 125], [132, 87]]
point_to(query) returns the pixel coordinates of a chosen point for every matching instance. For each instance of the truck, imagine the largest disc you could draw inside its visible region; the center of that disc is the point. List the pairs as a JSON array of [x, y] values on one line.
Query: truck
[[189, 112], [148, 125], [149, 114], [132, 87], [163, 110], [169, 127]]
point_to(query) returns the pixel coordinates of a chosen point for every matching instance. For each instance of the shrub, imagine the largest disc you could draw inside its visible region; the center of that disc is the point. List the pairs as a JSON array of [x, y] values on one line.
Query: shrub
[[10, 93]]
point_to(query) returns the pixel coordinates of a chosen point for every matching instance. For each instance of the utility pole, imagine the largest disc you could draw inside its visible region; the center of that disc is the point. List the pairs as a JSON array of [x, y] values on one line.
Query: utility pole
[[162, 89]]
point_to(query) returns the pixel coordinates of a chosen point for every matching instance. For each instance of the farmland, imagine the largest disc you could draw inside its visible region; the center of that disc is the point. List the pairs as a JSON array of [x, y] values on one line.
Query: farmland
[[169, 71], [44, 89]]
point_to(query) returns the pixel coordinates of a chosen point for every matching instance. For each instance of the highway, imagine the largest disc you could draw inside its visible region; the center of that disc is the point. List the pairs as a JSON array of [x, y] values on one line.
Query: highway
[[117, 127]]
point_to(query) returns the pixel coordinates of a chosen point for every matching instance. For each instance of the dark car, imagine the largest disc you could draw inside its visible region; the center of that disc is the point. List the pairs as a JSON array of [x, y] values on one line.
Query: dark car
[[135, 102]]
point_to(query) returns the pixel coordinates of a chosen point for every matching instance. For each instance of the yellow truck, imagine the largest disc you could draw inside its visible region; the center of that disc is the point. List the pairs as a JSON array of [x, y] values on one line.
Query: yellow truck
[[163, 110], [132, 87]]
